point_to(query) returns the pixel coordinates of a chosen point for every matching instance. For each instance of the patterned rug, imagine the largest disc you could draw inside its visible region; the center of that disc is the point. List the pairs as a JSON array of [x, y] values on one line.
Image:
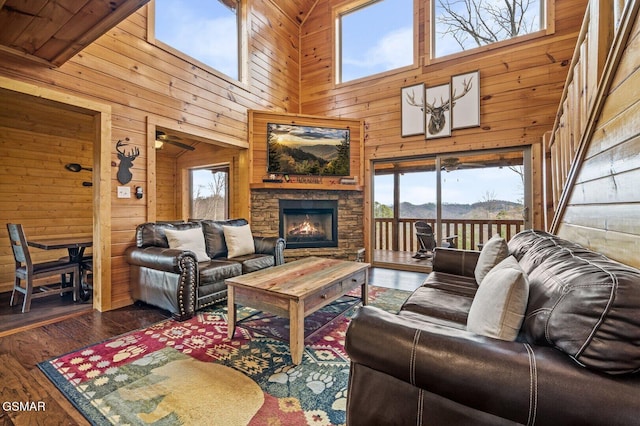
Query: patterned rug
[[191, 373]]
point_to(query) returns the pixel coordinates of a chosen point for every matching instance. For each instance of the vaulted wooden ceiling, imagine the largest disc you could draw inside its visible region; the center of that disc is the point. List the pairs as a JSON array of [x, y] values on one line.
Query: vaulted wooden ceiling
[[52, 31]]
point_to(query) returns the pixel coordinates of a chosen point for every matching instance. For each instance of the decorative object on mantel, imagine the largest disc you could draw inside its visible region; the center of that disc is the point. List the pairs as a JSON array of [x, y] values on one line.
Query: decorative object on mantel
[[126, 161], [349, 180], [273, 178]]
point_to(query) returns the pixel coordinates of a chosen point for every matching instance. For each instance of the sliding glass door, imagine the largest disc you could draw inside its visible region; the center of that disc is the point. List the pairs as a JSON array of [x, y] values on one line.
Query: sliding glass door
[[466, 198]]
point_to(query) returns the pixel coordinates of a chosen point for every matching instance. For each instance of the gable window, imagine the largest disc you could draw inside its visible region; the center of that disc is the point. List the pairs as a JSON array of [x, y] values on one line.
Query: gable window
[[460, 25], [374, 37], [205, 30], [209, 189]]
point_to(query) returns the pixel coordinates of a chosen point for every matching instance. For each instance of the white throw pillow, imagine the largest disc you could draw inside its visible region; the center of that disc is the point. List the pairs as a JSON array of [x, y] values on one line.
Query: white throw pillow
[[239, 240], [493, 252], [500, 303], [188, 239]]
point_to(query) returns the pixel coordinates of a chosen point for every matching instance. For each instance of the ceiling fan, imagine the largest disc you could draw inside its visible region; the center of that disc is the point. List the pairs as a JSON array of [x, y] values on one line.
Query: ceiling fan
[[162, 138], [450, 164]]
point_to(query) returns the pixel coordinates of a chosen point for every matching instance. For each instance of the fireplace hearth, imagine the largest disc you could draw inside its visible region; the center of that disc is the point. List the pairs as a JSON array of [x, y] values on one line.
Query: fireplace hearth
[[309, 223]]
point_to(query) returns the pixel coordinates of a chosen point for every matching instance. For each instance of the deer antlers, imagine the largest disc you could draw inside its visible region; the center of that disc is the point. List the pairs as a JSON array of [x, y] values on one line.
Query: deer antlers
[[411, 100], [467, 86], [121, 154]]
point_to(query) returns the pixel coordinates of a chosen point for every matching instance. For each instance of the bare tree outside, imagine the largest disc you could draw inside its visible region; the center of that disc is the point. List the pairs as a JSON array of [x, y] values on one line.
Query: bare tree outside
[[474, 23], [209, 199]]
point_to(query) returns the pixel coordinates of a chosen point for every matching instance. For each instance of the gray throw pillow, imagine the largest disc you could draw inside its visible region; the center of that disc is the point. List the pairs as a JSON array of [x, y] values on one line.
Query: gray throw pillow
[[493, 252], [500, 303]]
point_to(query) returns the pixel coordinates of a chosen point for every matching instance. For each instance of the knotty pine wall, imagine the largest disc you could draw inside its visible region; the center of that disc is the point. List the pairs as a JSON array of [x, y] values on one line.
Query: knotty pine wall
[[144, 84], [603, 211], [521, 85], [37, 139]]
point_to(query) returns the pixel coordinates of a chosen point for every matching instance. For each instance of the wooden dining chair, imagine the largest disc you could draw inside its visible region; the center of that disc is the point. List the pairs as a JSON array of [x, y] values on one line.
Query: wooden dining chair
[[28, 271]]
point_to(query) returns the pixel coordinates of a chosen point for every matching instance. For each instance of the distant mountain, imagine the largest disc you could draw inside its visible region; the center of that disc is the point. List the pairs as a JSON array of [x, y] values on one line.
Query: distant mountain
[[326, 152], [479, 210]]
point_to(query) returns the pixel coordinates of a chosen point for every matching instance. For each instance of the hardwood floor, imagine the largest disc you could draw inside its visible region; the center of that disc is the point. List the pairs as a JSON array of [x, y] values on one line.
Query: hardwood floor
[[43, 311], [22, 381], [402, 260]]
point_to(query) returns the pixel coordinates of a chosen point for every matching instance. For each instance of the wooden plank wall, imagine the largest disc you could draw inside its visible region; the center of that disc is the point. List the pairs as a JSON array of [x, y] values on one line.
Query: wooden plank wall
[[166, 188], [521, 85], [142, 82], [37, 139], [603, 212]]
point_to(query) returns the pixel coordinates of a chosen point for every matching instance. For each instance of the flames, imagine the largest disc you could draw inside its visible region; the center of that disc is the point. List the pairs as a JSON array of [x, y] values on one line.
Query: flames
[[306, 228]]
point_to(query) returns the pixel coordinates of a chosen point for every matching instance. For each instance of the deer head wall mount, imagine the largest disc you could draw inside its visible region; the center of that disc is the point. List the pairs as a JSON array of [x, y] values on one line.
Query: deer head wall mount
[[437, 114], [126, 161]]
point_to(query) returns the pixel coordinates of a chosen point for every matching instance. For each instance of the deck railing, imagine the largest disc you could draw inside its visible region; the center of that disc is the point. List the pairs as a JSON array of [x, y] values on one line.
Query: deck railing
[[400, 234]]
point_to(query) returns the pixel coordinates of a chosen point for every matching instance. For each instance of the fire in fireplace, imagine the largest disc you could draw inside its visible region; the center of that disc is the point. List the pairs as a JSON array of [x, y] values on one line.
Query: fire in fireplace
[[309, 223]]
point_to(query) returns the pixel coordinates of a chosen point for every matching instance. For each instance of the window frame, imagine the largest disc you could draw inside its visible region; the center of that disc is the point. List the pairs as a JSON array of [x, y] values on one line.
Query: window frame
[[243, 42], [226, 168], [430, 30], [336, 42]]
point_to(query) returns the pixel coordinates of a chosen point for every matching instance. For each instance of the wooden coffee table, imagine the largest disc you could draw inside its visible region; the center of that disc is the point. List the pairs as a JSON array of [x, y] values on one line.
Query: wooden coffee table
[[295, 290]]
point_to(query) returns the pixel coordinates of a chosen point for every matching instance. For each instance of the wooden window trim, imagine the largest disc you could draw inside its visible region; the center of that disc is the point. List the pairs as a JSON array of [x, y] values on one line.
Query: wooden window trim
[[336, 43], [243, 45], [429, 30]]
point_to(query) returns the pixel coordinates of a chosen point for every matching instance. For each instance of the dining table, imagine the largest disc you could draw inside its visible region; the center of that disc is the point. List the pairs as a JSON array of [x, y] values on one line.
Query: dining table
[[75, 246]]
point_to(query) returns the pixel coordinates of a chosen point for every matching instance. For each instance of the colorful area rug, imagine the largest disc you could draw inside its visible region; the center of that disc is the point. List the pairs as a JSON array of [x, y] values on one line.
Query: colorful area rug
[[190, 373]]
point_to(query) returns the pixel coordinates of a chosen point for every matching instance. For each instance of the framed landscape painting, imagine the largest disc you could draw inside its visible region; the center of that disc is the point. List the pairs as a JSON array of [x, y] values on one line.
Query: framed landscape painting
[[412, 110], [438, 111], [465, 100]]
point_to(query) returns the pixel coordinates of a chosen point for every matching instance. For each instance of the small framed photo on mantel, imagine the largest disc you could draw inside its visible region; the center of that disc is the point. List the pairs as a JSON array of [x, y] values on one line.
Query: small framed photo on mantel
[[412, 110], [465, 100], [437, 106]]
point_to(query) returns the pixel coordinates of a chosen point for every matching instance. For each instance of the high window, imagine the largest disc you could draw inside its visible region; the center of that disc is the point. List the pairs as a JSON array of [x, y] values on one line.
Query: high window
[[205, 30], [209, 193], [374, 37], [461, 25]]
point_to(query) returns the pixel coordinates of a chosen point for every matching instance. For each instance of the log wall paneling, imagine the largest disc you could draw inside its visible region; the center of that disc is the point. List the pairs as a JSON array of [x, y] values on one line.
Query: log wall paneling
[[602, 211], [37, 139], [143, 83]]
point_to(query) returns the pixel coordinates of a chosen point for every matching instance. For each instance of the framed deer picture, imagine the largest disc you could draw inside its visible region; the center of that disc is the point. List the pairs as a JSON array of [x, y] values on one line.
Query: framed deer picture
[[412, 110], [437, 107], [465, 100]]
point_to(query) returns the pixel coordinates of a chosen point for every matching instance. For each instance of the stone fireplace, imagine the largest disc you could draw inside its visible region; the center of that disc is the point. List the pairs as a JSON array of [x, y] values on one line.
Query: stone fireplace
[[309, 223], [337, 217]]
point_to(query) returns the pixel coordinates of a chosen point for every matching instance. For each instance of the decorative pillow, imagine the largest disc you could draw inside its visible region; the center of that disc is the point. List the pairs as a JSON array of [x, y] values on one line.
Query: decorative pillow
[[493, 252], [239, 240], [500, 303], [188, 239]]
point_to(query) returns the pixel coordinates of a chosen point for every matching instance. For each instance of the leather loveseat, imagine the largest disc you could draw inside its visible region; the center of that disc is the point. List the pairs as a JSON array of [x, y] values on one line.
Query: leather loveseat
[[173, 278], [575, 359]]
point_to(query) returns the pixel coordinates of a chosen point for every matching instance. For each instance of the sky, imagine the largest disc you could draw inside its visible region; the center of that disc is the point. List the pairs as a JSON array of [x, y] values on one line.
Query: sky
[[459, 186]]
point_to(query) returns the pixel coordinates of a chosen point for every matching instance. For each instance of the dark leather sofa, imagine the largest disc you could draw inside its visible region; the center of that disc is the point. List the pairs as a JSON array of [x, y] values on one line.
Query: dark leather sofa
[[172, 279], [575, 361]]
